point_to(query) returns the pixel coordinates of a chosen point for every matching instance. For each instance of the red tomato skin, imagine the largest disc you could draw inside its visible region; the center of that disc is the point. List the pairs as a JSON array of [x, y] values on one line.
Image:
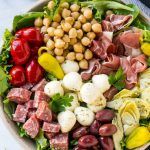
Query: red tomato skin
[[20, 51], [17, 76], [34, 72], [31, 35]]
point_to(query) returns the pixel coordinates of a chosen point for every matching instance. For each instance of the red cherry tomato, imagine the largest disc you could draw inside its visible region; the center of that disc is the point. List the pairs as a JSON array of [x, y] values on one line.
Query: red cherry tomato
[[17, 76], [31, 35], [34, 72], [20, 51]]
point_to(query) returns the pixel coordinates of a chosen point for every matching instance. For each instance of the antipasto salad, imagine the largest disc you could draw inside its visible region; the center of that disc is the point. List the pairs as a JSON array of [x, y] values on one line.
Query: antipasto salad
[[76, 76]]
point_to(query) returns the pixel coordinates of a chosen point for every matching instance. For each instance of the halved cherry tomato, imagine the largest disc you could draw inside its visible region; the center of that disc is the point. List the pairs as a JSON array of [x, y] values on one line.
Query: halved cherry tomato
[[17, 76], [20, 51], [31, 35], [34, 72]]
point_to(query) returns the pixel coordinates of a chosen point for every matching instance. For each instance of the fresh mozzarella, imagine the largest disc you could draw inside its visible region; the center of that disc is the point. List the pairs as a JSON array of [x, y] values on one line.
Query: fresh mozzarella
[[53, 88], [101, 82], [70, 66], [90, 93], [84, 116], [67, 120], [74, 103], [72, 81]]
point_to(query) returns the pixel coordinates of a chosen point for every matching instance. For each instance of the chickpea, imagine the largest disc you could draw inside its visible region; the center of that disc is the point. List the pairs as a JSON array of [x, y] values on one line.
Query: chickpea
[[50, 31], [83, 64], [69, 20], [55, 24], [109, 12], [78, 47], [79, 56], [73, 33], [44, 29], [97, 28], [57, 18], [82, 19], [59, 43], [86, 27], [46, 22], [65, 5], [66, 46], [38, 22], [66, 26], [83, 8], [75, 15], [46, 38], [51, 5], [50, 44], [59, 33], [60, 59], [91, 35], [88, 54], [74, 7], [66, 38], [79, 34], [58, 51], [66, 13], [93, 21], [71, 56], [59, 27], [85, 41], [88, 13], [77, 25], [73, 41]]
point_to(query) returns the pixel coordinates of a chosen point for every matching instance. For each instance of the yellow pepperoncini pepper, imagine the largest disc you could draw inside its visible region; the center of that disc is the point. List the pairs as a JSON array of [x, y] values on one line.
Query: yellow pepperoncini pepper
[[138, 137], [49, 63], [145, 47]]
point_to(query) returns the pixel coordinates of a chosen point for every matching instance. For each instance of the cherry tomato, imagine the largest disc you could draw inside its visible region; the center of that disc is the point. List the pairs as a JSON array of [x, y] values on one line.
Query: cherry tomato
[[17, 76], [20, 51], [31, 35], [34, 72]]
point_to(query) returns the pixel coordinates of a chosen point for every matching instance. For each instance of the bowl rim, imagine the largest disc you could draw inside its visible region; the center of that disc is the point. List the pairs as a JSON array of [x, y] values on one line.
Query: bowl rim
[[25, 143]]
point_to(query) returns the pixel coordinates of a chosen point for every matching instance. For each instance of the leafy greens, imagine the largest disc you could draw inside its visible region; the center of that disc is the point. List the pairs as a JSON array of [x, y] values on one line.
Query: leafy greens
[[58, 102], [117, 79]]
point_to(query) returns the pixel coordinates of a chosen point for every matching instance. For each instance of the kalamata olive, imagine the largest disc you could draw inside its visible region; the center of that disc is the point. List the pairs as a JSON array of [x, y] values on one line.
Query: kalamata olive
[[87, 141], [106, 143], [94, 128], [78, 148], [80, 132], [107, 129], [105, 115]]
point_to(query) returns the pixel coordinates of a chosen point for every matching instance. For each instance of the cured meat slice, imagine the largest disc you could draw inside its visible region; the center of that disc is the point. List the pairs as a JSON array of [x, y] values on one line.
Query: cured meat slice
[[40, 86], [50, 135], [27, 86], [51, 127], [29, 104], [39, 96], [19, 95], [31, 112], [43, 112], [60, 142], [20, 114], [32, 126]]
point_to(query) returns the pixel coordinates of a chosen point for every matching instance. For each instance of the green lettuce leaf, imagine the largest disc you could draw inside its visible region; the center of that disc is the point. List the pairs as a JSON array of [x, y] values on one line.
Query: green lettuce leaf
[[146, 36], [21, 131]]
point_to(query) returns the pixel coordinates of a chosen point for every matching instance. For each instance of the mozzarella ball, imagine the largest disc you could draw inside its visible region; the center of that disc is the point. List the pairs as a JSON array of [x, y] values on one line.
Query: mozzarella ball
[[90, 93], [101, 82], [67, 120], [84, 116], [97, 28], [72, 81], [59, 43], [74, 103], [70, 66], [53, 88], [87, 13]]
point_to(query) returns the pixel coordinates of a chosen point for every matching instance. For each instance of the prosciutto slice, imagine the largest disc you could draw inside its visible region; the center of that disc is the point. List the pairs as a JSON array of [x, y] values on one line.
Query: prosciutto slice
[[115, 22]]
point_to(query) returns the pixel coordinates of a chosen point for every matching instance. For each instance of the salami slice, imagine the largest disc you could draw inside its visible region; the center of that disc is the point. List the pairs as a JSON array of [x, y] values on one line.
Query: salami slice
[[20, 114], [19, 95], [50, 135], [43, 112], [59, 142], [51, 127], [31, 112], [32, 126]]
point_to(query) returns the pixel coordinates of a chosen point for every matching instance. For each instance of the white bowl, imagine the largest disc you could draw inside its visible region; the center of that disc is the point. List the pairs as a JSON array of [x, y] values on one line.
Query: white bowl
[[25, 143]]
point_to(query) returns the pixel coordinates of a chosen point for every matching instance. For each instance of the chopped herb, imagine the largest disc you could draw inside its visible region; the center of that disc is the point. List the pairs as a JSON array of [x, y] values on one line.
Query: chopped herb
[[123, 144], [58, 102], [74, 142], [50, 77], [145, 122], [117, 79]]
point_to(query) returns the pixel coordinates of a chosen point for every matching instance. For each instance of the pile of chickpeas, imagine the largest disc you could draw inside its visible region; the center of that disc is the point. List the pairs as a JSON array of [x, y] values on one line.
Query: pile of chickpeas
[[70, 33]]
